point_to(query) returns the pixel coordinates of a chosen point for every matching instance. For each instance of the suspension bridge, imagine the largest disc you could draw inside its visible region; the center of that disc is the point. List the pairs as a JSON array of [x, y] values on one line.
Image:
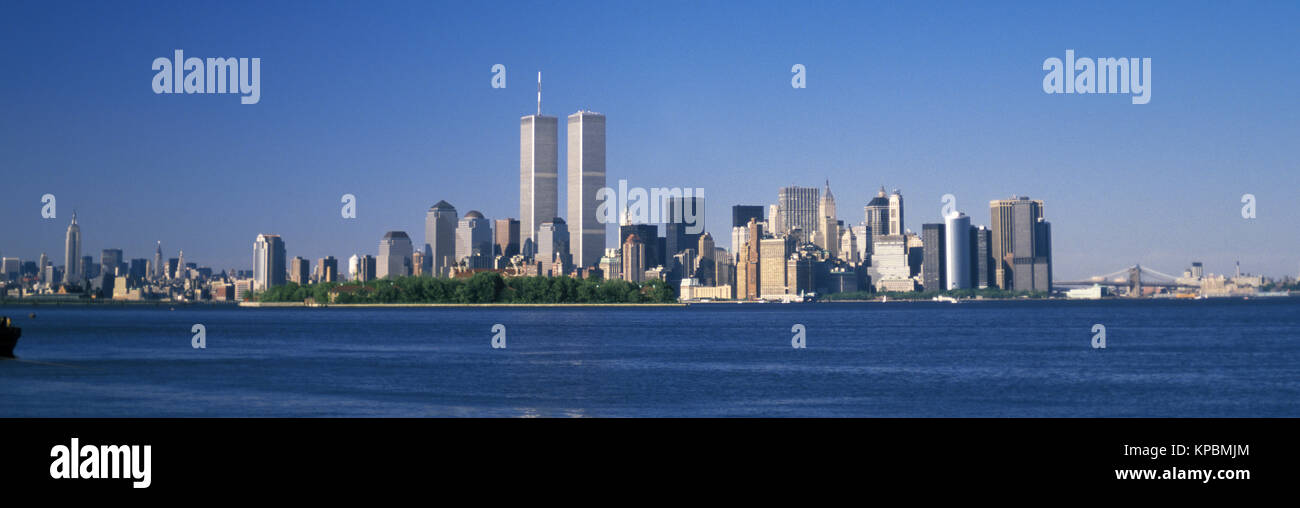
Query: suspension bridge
[[1135, 278]]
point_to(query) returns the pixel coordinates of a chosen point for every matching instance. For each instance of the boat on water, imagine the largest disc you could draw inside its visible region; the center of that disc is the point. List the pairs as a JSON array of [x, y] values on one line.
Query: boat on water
[[8, 337], [944, 298]]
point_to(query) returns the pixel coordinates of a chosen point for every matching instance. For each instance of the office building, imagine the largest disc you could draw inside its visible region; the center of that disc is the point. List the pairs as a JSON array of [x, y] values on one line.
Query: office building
[[505, 235], [394, 259], [981, 257], [156, 270], [10, 269], [889, 269], [366, 268], [633, 254], [649, 237], [586, 176], [876, 217], [440, 235], [268, 262], [138, 271], [933, 272], [539, 175], [740, 215], [957, 251], [828, 232], [772, 266], [553, 247], [799, 209], [848, 250], [299, 270], [327, 269], [474, 241], [751, 260], [1021, 244], [896, 224], [705, 264], [72, 253], [110, 260]]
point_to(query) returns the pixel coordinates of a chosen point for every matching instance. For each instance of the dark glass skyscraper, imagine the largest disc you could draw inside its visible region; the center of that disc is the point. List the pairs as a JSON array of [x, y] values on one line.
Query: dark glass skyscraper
[[740, 215], [933, 265]]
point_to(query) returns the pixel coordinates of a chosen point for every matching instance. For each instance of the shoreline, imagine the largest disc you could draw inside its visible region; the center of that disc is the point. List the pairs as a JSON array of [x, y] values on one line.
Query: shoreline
[[272, 305]]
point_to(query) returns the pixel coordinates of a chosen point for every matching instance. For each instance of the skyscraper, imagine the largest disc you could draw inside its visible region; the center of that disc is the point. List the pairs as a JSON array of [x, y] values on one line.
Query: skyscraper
[[740, 215], [440, 237], [268, 262], [553, 247], [110, 260], [474, 240], [933, 272], [876, 216], [586, 175], [799, 208], [539, 173], [72, 253], [957, 251], [849, 246], [10, 269], [751, 260], [366, 270], [896, 224], [705, 265], [1021, 244], [773, 253], [157, 273], [633, 257], [648, 234], [828, 235], [981, 257], [327, 269], [394, 259], [299, 270], [180, 267], [506, 237]]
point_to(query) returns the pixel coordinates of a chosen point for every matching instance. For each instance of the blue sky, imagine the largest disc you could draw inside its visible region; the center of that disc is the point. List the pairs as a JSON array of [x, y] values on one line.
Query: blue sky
[[392, 103]]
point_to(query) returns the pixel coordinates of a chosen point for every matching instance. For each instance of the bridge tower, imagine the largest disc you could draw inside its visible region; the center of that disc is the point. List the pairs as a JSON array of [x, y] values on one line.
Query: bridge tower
[[1135, 281]]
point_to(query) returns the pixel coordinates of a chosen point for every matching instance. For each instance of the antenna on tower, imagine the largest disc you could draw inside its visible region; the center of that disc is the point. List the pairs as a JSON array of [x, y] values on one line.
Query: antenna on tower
[[539, 93]]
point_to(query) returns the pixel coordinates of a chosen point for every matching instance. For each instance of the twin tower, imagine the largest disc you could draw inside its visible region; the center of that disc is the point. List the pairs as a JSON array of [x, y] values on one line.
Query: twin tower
[[539, 180]]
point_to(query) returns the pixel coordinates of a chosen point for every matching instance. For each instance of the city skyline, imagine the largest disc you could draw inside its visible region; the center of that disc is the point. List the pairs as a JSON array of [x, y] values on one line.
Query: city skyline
[[1165, 201]]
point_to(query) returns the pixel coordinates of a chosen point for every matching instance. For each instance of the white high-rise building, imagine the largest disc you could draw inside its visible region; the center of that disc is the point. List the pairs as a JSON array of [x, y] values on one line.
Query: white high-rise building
[[586, 176], [539, 173], [72, 253], [957, 250]]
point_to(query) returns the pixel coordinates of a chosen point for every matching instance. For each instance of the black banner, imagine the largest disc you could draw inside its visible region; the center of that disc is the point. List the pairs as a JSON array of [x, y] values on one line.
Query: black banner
[[236, 455]]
